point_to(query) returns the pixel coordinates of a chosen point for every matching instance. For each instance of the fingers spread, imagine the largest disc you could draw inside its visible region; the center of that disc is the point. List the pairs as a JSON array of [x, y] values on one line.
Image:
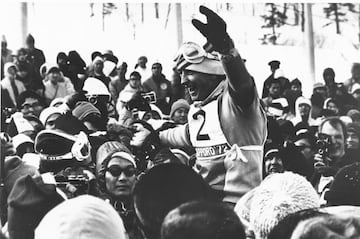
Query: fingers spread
[[208, 13], [199, 25]]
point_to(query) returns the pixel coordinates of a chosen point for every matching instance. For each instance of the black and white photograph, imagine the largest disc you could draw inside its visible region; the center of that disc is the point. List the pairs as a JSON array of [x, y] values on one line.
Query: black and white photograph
[[180, 119]]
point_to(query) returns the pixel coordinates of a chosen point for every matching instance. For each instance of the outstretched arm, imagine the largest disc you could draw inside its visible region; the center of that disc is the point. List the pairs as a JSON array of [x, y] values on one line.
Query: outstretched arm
[[241, 84]]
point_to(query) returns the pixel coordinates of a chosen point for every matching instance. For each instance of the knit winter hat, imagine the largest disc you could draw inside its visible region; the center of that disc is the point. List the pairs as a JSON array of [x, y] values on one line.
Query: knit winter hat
[[181, 103], [278, 195], [21, 139], [354, 114], [84, 109], [83, 217], [29, 201], [106, 150], [345, 189], [47, 112]]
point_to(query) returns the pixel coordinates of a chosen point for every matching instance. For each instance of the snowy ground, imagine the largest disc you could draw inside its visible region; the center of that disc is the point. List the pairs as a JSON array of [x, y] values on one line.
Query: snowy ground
[[58, 27]]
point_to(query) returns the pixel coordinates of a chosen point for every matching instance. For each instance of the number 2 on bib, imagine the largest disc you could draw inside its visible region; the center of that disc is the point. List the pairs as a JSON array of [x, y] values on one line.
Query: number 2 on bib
[[200, 136]]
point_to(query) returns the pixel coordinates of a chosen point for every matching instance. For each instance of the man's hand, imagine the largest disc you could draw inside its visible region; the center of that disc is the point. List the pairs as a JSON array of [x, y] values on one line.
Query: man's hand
[[321, 165], [214, 31]]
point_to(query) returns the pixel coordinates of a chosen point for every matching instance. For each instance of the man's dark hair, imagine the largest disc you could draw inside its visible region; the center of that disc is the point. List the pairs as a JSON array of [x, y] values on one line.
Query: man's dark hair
[[28, 94], [296, 81], [202, 220], [136, 74], [329, 71], [286, 226], [334, 122], [163, 188]]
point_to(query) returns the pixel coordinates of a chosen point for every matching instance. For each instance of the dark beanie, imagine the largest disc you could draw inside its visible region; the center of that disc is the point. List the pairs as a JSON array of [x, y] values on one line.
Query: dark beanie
[[345, 189], [84, 109], [28, 202], [70, 124]]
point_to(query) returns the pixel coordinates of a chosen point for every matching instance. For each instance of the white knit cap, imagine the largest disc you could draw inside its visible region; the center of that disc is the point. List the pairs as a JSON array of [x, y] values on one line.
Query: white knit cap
[[277, 196], [83, 217]]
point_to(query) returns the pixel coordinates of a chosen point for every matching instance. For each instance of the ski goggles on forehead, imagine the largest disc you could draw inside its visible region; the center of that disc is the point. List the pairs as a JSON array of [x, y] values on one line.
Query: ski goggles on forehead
[[191, 53]]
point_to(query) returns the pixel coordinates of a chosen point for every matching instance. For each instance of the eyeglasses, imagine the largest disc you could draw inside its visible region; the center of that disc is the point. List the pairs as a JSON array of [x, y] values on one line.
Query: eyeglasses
[[117, 170], [27, 106], [191, 53]]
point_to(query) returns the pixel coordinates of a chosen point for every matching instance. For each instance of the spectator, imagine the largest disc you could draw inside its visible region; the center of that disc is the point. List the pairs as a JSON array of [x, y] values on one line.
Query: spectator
[[10, 83], [116, 178], [62, 61], [119, 82], [354, 114], [56, 85], [36, 55], [160, 86], [84, 216], [355, 92], [303, 112], [278, 196], [274, 65], [329, 79], [287, 225], [274, 92], [142, 68], [333, 106], [353, 138], [326, 166], [345, 189], [30, 103], [133, 87], [49, 115], [201, 220], [77, 70], [96, 71], [6, 55], [163, 188], [179, 111], [355, 77], [273, 162], [328, 226]]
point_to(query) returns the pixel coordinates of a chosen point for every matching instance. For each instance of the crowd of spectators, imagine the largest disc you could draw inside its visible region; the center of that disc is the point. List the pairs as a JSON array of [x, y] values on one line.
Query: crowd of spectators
[[88, 153]]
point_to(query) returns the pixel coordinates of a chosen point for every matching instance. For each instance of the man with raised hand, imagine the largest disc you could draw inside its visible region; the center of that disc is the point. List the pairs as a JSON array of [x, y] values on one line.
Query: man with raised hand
[[226, 123]]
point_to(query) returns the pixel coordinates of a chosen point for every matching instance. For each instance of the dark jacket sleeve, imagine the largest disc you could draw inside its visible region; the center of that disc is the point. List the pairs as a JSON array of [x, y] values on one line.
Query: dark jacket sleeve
[[241, 84]]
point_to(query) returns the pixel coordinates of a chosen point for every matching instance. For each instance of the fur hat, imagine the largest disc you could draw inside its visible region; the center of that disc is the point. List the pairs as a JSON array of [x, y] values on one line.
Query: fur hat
[[181, 103], [345, 189], [277, 196], [82, 217]]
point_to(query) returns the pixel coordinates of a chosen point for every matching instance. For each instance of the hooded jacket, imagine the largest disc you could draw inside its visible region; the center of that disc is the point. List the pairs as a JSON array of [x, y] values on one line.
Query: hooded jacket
[[297, 119]]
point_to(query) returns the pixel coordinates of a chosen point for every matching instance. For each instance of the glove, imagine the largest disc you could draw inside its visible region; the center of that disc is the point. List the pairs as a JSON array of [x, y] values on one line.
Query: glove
[[214, 31]]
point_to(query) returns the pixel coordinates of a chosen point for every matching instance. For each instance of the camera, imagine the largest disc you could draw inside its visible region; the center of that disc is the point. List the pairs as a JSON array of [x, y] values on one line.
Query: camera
[[73, 185], [323, 144], [149, 97]]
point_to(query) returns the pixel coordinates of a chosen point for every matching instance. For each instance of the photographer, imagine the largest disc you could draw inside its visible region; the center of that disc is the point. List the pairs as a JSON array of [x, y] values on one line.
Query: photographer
[[331, 154]]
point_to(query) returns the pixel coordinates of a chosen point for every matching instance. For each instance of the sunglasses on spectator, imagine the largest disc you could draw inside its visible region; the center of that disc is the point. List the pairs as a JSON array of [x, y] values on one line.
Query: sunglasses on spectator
[[117, 170]]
